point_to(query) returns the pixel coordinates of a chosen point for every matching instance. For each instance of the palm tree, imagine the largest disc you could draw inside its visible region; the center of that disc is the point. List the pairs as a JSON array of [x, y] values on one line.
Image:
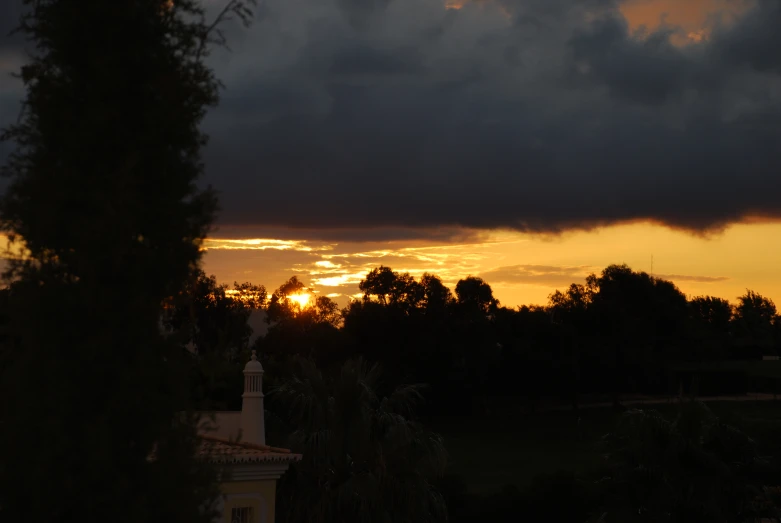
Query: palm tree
[[365, 459]]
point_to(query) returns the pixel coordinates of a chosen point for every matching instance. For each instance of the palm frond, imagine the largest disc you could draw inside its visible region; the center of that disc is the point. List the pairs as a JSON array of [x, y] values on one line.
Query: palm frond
[[363, 454]]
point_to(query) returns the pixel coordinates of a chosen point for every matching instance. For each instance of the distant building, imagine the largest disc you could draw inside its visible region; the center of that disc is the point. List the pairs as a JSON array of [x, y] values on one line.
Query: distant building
[[236, 442]]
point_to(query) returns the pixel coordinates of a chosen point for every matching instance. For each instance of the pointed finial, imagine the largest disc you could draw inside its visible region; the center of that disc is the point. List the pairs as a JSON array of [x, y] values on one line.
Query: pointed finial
[[253, 365]]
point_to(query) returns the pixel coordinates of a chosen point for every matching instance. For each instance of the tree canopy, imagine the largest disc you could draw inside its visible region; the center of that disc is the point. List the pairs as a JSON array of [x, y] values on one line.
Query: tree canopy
[[104, 207]]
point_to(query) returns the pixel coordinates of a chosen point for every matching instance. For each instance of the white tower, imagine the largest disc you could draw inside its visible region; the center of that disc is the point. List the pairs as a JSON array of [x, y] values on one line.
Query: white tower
[[253, 426]]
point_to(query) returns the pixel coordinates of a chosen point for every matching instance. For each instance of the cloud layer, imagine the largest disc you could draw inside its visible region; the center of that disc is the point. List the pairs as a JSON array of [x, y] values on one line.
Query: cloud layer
[[545, 275], [534, 115]]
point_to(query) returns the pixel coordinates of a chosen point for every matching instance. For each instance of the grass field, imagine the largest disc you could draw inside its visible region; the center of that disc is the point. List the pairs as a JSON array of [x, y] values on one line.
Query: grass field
[[492, 452]]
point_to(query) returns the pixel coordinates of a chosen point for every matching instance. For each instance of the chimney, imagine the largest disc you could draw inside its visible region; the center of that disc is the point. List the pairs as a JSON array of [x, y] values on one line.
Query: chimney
[[253, 426]]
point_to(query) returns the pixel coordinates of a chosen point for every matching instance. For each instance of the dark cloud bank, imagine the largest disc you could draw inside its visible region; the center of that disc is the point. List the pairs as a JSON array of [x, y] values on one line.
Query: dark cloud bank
[[537, 115]]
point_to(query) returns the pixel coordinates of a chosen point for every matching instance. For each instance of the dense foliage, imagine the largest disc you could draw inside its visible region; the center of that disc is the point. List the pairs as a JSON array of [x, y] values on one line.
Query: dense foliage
[[105, 222], [365, 457], [619, 332]]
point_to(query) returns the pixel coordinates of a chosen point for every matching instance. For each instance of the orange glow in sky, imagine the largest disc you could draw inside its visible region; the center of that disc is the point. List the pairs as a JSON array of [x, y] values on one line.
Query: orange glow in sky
[[301, 299], [689, 14], [525, 269], [692, 16]]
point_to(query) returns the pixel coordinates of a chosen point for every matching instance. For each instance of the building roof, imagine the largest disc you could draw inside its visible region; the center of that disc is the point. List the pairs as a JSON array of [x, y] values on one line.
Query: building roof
[[219, 450]]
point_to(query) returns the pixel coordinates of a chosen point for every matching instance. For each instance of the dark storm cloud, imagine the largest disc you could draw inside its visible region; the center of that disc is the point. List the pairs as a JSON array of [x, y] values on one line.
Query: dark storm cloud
[[366, 60], [535, 115], [355, 234], [538, 116], [756, 40], [647, 71]]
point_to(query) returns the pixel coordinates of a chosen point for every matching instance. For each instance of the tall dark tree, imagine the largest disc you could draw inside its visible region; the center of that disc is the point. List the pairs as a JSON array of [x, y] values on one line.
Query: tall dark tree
[[476, 295], [755, 324], [570, 312], [714, 312], [104, 207], [212, 322], [436, 296], [378, 283], [711, 318], [384, 326], [474, 327], [211, 318], [406, 325], [393, 288], [640, 322]]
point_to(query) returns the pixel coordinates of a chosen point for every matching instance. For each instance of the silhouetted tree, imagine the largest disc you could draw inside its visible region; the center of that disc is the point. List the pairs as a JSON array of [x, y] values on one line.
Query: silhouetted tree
[[475, 294], [640, 321], [755, 324], [310, 329], [392, 288], [716, 313], [570, 311], [475, 334], [710, 327], [408, 326], [253, 297], [365, 458], [281, 307], [379, 282], [327, 311], [211, 322], [104, 206], [436, 296], [212, 318]]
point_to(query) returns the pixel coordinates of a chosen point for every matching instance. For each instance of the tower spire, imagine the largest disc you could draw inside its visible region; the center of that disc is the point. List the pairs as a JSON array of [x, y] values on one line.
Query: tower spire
[[253, 424]]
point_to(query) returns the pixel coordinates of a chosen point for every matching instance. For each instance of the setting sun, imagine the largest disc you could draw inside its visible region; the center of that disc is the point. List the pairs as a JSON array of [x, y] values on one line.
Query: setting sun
[[301, 299]]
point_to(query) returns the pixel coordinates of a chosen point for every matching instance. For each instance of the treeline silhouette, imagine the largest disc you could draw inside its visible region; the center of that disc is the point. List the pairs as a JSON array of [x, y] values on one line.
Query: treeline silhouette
[[347, 388], [620, 332]]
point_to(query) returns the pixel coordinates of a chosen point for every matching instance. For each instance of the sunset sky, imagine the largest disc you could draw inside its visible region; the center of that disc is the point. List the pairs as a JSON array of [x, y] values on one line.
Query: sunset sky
[[521, 268], [529, 142]]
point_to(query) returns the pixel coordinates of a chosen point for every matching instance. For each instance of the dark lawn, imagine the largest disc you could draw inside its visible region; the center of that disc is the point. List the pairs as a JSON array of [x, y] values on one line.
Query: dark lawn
[[492, 452]]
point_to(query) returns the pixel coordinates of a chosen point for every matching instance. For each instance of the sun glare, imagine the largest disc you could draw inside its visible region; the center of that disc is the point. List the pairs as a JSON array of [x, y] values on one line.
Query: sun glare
[[301, 299]]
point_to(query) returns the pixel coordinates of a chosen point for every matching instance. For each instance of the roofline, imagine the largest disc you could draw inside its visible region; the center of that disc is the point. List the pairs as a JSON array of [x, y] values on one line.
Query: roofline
[[246, 445]]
